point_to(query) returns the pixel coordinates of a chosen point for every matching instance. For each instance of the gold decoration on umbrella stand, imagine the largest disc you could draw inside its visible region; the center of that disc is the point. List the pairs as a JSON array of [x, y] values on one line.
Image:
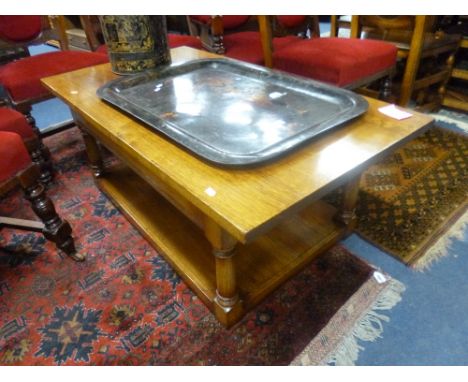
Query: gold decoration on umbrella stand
[[136, 43]]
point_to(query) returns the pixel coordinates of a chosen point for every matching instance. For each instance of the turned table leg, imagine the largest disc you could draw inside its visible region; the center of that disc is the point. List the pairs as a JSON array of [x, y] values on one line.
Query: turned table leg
[[93, 149], [226, 290], [227, 304], [347, 213], [94, 153], [55, 229]]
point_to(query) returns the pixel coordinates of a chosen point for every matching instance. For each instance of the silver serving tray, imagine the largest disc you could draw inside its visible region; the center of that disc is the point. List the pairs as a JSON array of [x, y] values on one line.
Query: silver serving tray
[[230, 112]]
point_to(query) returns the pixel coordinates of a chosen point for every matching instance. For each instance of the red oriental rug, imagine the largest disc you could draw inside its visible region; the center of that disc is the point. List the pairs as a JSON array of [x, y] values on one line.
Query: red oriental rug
[[126, 306]]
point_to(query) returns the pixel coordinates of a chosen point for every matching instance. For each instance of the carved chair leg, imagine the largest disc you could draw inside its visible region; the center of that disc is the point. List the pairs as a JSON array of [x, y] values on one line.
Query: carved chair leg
[[56, 229], [442, 90], [40, 155], [385, 93], [32, 122], [26, 111], [217, 39]]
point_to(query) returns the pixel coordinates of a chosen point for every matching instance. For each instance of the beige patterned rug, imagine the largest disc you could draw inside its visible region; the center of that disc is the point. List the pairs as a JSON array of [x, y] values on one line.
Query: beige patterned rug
[[414, 201]]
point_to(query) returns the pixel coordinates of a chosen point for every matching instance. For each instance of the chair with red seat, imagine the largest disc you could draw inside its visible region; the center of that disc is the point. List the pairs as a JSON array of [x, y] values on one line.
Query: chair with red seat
[[238, 37], [20, 29], [13, 121], [426, 55], [292, 43], [17, 167], [218, 31], [348, 63], [21, 78], [16, 34]]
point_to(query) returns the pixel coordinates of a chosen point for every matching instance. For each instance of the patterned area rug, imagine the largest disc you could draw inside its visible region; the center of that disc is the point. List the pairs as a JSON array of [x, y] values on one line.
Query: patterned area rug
[[125, 305], [412, 197]]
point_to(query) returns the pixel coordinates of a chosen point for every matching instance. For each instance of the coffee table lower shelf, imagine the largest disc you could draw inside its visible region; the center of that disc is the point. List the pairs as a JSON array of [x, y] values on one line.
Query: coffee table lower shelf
[[261, 266]]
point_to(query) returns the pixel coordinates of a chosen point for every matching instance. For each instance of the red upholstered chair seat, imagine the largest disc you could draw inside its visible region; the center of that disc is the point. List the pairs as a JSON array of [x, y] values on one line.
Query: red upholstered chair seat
[[232, 36], [16, 165], [102, 49], [247, 46], [22, 77], [20, 28], [176, 40], [13, 121], [229, 21], [290, 21], [337, 61], [14, 155]]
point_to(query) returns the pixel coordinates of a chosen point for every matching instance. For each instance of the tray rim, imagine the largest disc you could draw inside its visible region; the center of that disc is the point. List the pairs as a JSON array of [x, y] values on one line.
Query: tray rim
[[201, 148]]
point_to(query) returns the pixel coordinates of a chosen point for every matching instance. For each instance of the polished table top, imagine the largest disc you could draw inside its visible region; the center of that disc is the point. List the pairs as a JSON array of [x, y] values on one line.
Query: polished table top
[[245, 202]]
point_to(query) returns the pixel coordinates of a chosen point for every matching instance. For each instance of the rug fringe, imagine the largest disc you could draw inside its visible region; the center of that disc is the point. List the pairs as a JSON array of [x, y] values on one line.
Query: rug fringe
[[443, 245], [369, 327]]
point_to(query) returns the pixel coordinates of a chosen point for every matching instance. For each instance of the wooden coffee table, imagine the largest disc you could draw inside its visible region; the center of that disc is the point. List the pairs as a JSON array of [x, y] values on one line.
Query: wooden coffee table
[[234, 235]]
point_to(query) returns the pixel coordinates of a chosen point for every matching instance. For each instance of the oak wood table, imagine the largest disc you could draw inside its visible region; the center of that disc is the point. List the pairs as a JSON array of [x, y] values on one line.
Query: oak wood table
[[234, 235]]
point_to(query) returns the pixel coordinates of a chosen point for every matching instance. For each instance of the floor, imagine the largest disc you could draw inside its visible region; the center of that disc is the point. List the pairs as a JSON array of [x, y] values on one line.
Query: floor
[[429, 325], [45, 120]]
